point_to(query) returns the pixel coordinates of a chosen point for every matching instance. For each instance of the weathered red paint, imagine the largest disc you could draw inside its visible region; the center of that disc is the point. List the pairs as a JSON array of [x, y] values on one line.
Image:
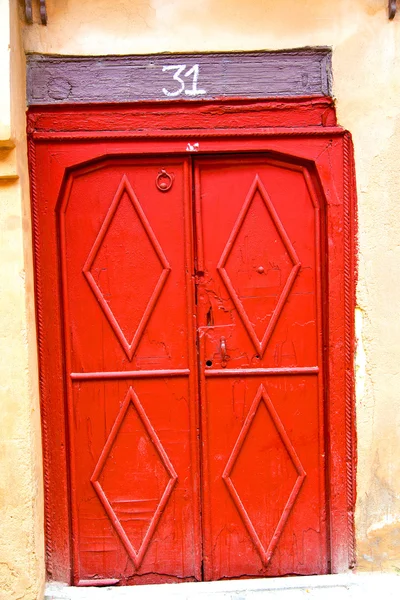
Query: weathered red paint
[[263, 433], [165, 465]]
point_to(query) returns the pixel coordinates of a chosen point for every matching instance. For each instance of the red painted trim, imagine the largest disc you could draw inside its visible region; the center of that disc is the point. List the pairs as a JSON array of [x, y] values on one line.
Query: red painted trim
[[304, 132], [84, 376], [164, 118], [350, 258], [263, 372], [53, 418]]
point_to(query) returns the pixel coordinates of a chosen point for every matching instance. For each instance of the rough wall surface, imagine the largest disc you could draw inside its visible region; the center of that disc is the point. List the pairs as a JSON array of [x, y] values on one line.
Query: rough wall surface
[[366, 63], [21, 497]]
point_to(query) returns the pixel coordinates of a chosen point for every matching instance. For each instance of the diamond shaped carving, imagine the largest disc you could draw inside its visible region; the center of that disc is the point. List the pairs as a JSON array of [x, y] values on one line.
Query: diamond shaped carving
[[133, 466], [243, 506], [126, 268], [259, 265]]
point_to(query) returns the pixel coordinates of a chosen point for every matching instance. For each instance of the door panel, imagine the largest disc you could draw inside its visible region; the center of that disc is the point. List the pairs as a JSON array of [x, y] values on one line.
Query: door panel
[[133, 473], [127, 256], [127, 293], [260, 337], [123, 269]]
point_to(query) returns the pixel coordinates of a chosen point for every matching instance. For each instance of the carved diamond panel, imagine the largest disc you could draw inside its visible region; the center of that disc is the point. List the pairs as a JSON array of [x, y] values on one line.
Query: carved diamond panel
[[126, 268], [259, 266], [264, 475], [134, 478]]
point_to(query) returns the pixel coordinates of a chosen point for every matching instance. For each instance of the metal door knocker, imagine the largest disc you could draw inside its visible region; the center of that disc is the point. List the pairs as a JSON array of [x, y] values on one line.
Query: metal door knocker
[[164, 181]]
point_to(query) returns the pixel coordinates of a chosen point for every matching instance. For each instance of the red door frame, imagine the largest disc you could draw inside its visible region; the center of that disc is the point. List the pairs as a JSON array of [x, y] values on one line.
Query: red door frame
[[303, 129]]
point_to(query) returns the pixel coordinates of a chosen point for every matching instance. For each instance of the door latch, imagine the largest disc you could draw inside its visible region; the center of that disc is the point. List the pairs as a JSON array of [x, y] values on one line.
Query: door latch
[[224, 356]]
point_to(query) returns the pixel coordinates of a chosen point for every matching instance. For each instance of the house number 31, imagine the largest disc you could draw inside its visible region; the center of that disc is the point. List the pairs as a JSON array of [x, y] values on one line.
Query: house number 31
[[192, 74]]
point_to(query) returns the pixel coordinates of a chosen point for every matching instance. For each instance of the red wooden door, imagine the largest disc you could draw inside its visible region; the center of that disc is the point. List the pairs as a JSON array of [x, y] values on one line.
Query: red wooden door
[[260, 334], [145, 446], [130, 364], [195, 341]]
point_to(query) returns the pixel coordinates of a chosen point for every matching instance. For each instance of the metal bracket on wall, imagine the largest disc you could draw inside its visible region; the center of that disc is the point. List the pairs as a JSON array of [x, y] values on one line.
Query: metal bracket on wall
[[392, 9], [42, 10]]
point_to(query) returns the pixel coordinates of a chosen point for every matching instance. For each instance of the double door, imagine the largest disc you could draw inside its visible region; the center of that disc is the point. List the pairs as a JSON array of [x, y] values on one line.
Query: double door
[[193, 320]]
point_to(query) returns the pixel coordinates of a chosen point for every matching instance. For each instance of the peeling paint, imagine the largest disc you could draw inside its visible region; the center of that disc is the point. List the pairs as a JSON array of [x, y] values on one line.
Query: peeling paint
[[360, 358]]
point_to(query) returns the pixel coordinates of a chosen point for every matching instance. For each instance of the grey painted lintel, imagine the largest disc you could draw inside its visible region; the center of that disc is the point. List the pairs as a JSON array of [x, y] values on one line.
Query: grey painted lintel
[[104, 79]]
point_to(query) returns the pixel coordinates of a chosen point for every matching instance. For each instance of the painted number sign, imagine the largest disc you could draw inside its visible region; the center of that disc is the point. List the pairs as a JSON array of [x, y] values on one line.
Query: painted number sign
[[192, 75], [58, 80]]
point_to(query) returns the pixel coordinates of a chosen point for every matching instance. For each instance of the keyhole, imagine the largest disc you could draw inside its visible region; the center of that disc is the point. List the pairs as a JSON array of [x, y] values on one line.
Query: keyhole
[[208, 363]]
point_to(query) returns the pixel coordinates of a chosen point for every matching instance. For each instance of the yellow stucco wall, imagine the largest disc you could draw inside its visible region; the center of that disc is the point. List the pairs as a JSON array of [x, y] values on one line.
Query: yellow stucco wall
[[21, 497], [366, 62]]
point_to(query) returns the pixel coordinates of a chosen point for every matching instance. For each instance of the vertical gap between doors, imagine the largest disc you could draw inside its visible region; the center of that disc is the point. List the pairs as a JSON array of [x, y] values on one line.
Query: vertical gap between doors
[[196, 274]]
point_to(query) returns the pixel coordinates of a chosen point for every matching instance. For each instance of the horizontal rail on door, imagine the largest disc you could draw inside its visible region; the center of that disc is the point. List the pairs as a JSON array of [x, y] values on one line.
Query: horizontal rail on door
[[130, 374], [271, 371], [183, 133]]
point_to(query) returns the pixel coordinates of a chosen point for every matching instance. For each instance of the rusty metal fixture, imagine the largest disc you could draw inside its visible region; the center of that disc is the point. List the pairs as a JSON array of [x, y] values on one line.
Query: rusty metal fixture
[[392, 9], [164, 181], [42, 11], [28, 11]]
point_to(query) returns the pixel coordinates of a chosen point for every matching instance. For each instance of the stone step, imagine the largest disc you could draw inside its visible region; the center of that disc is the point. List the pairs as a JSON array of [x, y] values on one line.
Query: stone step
[[366, 586]]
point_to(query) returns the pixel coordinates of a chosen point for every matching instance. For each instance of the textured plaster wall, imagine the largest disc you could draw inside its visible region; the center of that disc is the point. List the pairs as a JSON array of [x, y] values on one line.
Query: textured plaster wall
[[5, 97], [21, 498], [366, 61]]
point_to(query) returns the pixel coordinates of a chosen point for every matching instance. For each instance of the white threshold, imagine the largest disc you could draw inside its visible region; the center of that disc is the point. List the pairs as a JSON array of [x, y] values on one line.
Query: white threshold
[[362, 586]]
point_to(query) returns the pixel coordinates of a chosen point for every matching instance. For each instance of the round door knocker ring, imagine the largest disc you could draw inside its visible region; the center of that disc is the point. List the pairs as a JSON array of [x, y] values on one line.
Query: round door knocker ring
[[164, 181]]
